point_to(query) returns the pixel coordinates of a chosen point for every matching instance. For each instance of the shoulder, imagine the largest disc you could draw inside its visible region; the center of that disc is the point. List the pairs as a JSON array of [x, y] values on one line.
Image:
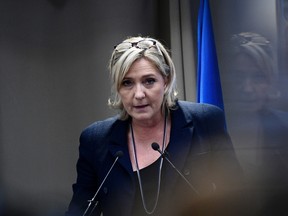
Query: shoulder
[[279, 117], [98, 129], [201, 110], [206, 116], [281, 114]]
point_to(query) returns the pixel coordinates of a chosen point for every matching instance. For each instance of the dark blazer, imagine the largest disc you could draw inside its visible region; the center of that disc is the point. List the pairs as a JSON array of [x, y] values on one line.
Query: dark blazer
[[199, 147]]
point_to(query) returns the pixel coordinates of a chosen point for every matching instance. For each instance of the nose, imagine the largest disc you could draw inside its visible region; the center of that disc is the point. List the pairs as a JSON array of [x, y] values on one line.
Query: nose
[[247, 85], [139, 92]]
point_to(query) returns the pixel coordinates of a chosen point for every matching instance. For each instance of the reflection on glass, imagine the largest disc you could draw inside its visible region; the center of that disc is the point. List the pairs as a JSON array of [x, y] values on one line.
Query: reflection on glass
[[258, 130]]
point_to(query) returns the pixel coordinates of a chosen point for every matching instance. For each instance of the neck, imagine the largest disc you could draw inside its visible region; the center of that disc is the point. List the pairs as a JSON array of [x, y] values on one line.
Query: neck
[[141, 137], [147, 124], [153, 132]]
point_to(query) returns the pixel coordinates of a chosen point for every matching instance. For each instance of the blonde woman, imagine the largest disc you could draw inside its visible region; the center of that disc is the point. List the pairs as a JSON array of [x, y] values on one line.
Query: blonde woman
[[142, 182]]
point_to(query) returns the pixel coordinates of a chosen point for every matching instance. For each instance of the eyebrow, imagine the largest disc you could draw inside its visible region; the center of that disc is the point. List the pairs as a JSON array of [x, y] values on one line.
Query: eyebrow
[[145, 76]]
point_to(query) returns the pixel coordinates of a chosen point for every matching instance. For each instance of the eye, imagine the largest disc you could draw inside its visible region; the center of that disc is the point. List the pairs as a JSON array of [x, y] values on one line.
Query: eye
[[127, 83], [259, 78], [149, 81]]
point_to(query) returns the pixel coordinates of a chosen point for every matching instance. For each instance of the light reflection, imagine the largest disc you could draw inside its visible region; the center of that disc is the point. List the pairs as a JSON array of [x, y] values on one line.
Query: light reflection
[[259, 129]]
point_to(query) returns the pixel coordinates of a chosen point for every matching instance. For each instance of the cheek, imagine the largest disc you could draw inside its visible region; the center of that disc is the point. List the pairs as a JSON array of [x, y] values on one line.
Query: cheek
[[123, 96], [262, 90], [126, 98], [159, 96]]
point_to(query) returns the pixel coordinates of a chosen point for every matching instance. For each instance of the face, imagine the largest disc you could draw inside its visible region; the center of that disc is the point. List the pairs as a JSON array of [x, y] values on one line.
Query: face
[[142, 91], [248, 85]]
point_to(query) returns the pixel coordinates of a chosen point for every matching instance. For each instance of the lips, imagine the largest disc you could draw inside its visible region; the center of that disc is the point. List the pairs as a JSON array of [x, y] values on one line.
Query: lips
[[140, 107]]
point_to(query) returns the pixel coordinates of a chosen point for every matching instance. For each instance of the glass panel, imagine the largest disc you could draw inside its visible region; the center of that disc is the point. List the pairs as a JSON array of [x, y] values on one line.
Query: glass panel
[[254, 73]]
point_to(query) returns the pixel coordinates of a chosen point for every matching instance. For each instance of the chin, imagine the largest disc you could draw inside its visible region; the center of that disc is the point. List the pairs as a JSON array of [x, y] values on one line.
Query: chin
[[142, 116]]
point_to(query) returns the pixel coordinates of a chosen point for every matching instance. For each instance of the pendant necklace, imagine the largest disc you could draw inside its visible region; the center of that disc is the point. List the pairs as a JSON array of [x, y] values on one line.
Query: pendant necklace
[[159, 173]]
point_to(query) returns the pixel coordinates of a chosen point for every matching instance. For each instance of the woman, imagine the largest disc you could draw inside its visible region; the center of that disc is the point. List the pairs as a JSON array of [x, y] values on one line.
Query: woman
[[142, 182]]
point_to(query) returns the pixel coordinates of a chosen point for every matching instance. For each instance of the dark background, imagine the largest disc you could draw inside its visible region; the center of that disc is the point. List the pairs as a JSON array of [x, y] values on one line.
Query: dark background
[[54, 80]]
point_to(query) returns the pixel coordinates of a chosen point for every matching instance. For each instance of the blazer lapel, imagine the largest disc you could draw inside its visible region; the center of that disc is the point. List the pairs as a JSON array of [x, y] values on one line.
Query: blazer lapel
[[118, 142], [179, 146]]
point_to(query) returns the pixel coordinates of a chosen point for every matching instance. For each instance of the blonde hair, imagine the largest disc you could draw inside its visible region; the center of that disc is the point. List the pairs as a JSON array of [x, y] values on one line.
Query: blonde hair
[[126, 53], [259, 48]]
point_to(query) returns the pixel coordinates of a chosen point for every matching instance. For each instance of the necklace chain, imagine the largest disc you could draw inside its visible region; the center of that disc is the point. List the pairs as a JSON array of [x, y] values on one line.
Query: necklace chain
[[160, 169]]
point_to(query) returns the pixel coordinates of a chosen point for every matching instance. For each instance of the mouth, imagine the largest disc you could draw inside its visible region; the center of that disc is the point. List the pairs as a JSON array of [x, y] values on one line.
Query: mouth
[[140, 106]]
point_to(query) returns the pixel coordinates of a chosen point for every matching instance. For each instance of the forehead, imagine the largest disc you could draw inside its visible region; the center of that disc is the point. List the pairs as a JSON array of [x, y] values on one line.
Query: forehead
[[142, 67], [244, 61]]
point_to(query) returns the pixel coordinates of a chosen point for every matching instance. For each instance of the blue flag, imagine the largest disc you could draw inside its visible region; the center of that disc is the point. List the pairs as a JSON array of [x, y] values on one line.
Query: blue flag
[[208, 82]]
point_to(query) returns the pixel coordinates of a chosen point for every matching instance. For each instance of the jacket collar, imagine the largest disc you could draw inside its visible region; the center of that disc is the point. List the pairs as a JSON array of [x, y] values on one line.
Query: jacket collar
[[179, 145], [118, 141]]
